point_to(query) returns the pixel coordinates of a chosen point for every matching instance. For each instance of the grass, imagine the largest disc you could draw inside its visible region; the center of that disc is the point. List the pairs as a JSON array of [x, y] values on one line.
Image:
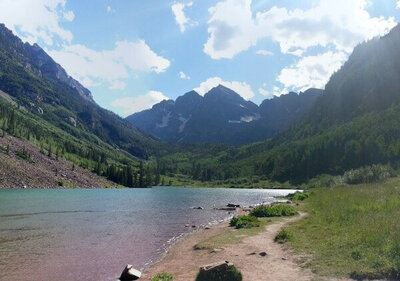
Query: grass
[[274, 210], [163, 277], [232, 236], [244, 222], [283, 236], [352, 230]]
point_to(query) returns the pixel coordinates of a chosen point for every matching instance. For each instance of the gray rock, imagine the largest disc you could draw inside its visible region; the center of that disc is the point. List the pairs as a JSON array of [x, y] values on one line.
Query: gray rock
[[72, 121], [218, 266], [129, 273]]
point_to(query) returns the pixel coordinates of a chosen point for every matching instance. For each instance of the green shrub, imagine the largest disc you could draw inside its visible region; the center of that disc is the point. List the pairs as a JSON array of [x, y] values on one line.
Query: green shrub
[[323, 181], [244, 222], [298, 196], [368, 174], [163, 277], [275, 210], [230, 274], [283, 236]]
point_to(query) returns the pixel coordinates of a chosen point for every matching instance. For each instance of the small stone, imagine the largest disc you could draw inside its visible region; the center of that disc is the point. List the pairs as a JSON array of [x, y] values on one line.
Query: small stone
[[263, 254], [193, 226], [186, 225], [207, 227], [284, 259], [216, 250]]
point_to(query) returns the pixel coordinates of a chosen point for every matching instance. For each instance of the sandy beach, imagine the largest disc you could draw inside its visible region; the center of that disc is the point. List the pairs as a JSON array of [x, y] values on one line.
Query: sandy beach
[[280, 263]]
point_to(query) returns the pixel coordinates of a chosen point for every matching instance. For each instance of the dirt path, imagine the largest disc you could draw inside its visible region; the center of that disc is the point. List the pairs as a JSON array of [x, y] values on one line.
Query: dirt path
[[279, 263]]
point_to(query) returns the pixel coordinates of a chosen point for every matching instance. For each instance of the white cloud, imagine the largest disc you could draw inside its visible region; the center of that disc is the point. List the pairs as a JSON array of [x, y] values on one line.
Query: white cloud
[[265, 93], [130, 105], [37, 20], [92, 67], [312, 71], [117, 85], [69, 15], [398, 5], [110, 10], [242, 88], [182, 75], [233, 28], [264, 53], [178, 9]]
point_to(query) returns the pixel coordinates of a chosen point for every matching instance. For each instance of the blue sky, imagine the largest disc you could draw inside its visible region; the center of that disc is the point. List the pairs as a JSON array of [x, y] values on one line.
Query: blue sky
[[132, 54]]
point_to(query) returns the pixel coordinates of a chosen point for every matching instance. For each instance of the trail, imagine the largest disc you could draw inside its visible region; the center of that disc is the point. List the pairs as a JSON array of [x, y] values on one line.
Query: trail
[[279, 263]]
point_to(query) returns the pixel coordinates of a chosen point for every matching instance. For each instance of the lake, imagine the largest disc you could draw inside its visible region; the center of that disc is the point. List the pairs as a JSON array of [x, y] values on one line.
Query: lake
[[91, 234]]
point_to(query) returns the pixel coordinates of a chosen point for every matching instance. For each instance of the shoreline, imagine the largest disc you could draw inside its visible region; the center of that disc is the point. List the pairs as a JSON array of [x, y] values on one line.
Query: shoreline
[[183, 261]]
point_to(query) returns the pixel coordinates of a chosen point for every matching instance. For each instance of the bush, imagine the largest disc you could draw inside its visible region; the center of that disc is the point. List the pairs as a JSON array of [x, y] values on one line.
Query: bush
[[298, 196], [323, 181], [230, 274], [244, 222], [163, 277], [283, 236], [368, 174], [275, 210]]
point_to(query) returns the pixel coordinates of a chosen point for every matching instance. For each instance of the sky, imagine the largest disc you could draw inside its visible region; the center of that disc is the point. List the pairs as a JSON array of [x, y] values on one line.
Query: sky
[[132, 54]]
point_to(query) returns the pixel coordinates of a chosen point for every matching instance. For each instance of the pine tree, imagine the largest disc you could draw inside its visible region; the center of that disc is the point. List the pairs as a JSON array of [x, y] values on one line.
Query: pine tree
[[141, 174], [49, 152]]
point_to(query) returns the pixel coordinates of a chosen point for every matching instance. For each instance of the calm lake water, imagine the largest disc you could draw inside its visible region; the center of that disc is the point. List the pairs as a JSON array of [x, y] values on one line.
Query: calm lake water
[[91, 234]]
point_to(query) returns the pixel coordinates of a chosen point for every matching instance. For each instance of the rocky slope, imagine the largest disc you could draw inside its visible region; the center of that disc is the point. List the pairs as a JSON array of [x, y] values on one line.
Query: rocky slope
[[24, 165]]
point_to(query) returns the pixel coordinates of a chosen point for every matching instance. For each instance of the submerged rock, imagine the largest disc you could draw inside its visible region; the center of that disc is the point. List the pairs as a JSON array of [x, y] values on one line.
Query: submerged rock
[[129, 273], [226, 209], [233, 205]]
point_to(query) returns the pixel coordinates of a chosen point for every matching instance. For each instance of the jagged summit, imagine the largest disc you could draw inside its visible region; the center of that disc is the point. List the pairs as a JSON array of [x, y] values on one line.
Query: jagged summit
[[222, 116]]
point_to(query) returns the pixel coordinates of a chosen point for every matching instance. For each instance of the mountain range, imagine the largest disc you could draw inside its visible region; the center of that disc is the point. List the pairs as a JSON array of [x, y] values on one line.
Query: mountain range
[[354, 122], [222, 116]]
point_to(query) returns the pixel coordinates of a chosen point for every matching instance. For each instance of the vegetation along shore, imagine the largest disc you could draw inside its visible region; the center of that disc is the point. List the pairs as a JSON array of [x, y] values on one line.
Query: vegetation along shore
[[332, 232]]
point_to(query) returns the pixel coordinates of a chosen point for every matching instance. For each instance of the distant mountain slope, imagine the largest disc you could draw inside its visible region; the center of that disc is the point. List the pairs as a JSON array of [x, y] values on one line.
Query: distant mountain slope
[[222, 116], [355, 122], [368, 81], [42, 86]]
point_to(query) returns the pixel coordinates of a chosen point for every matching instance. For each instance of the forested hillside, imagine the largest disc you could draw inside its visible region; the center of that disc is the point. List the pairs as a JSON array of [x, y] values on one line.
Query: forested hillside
[[40, 103]]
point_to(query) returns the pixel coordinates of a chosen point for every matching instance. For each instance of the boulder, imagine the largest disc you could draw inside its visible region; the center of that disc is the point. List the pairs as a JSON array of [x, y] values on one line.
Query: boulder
[[218, 266], [129, 273], [224, 271]]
